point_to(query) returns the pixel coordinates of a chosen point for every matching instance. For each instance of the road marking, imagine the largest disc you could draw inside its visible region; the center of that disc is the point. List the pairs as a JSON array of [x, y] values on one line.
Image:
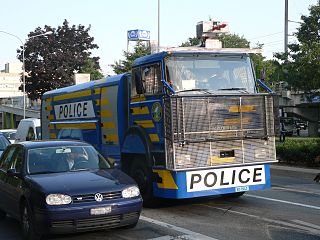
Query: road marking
[[295, 190], [283, 223], [282, 201], [190, 234], [181, 237], [307, 224]]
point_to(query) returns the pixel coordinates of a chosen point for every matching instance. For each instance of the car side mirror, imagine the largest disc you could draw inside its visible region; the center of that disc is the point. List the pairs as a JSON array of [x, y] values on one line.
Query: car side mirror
[[13, 172]]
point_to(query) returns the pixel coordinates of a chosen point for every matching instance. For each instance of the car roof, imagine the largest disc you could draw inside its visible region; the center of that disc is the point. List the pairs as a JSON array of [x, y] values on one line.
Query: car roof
[[52, 143], [8, 130]]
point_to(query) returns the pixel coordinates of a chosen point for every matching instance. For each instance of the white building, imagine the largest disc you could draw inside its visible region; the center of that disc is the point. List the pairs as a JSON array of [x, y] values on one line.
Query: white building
[[10, 80]]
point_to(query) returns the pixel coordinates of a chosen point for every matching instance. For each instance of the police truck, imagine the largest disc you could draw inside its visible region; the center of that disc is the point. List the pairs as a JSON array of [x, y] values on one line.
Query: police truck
[[185, 123]]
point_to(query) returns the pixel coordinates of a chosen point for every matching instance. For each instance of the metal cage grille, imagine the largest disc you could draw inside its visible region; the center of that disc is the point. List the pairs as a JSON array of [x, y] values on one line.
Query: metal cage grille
[[218, 130]]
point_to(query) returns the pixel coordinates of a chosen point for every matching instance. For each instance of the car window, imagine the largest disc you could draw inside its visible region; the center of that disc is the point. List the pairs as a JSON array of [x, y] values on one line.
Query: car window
[[18, 159], [64, 158], [38, 132], [31, 136], [4, 142], [8, 159]]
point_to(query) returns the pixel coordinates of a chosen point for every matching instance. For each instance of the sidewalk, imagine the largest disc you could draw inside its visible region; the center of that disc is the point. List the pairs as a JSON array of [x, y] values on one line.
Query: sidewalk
[[294, 169]]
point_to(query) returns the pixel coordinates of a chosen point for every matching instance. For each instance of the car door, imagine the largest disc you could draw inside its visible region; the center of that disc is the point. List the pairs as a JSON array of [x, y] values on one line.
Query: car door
[[11, 185]]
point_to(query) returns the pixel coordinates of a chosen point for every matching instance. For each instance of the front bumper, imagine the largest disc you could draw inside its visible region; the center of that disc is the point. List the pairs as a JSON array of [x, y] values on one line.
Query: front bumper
[[76, 217]]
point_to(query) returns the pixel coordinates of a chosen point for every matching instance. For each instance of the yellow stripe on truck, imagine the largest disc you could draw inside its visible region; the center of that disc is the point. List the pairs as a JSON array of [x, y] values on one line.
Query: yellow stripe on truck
[[154, 137], [167, 179], [111, 137], [72, 95], [140, 110], [236, 121], [106, 113], [108, 125], [76, 125], [102, 102], [243, 108], [145, 123]]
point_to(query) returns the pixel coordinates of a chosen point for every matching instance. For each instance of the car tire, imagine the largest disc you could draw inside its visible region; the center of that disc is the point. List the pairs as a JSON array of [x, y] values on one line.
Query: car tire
[[3, 214], [133, 225], [27, 224], [143, 177]]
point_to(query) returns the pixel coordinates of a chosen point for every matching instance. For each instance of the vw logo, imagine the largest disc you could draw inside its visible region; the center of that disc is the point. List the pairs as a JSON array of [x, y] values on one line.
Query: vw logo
[[98, 197]]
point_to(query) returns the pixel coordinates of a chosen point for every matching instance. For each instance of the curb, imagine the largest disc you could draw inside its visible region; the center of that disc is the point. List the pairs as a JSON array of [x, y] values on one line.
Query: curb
[[295, 169]]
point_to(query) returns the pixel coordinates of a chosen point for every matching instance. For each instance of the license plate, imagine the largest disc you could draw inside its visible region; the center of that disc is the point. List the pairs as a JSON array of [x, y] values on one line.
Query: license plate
[[100, 211], [242, 189]]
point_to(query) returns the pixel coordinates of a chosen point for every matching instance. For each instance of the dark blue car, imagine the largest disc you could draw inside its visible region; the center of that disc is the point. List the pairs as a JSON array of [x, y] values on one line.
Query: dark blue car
[[64, 187]]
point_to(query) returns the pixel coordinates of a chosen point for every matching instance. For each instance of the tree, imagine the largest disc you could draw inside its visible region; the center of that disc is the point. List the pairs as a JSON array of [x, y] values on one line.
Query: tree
[[52, 60], [233, 41], [302, 62], [123, 66], [90, 66], [191, 42]]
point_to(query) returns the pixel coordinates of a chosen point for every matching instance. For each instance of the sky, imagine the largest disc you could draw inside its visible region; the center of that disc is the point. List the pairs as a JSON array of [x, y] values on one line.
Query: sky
[[256, 20]]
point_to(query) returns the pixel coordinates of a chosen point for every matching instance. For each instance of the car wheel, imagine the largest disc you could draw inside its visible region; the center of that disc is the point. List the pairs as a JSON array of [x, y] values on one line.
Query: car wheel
[[143, 177], [27, 224], [133, 225], [2, 214]]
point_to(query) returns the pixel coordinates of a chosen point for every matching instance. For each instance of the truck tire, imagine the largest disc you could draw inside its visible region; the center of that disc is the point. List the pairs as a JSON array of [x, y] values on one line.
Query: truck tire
[[2, 214], [143, 177], [233, 195]]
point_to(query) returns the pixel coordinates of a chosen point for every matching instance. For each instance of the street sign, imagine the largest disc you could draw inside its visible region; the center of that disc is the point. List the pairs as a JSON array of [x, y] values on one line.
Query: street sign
[[135, 35]]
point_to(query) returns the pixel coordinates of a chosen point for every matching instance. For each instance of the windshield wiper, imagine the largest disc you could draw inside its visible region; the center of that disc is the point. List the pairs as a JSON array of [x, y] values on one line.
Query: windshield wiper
[[243, 90], [195, 89]]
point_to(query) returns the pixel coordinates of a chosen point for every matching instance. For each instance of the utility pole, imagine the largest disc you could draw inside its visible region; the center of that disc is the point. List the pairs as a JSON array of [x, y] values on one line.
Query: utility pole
[[286, 33], [158, 26]]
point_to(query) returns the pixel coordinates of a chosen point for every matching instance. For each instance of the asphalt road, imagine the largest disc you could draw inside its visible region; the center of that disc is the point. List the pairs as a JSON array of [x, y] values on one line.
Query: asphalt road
[[289, 210]]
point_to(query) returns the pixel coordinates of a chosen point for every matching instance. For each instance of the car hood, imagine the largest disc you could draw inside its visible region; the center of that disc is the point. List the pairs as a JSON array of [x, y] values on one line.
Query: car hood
[[82, 182]]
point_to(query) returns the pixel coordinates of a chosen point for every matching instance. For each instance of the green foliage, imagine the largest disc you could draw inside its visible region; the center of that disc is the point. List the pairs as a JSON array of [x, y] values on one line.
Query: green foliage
[[234, 41], [91, 67], [302, 63], [303, 152], [52, 60], [123, 66], [191, 42]]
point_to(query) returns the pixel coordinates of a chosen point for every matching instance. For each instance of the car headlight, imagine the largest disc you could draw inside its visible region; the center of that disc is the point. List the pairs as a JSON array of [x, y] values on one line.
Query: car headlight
[[130, 192], [58, 199]]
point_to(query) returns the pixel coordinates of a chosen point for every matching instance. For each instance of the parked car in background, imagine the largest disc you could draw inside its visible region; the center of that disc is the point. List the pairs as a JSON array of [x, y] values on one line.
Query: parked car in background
[[287, 125], [4, 143], [28, 129], [65, 186], [10, 134], [300, 124]]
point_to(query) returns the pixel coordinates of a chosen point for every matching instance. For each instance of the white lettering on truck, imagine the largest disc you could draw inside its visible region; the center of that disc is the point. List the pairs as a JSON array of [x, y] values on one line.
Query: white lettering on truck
[[74, 110], [225, 178]]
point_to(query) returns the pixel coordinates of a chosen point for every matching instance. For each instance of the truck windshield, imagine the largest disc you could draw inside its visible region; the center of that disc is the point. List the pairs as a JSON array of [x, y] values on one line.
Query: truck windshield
[[210, 73]]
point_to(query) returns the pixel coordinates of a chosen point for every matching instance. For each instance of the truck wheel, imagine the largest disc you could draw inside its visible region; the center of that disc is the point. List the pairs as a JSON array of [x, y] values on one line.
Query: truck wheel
[[233, 195], [2, 214], [143, 177]]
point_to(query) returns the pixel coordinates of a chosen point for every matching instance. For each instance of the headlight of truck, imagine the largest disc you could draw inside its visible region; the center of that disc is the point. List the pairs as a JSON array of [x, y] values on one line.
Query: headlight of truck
[[58, 199], [130, 192]]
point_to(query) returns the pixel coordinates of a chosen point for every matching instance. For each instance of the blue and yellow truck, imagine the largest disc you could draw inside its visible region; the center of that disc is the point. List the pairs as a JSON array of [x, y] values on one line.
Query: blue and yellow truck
[[185, 123]]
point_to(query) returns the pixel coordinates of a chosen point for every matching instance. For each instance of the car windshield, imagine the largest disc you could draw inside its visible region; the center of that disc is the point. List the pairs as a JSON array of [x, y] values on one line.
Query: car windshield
[[64, 158], [10, 135], [210, 73]]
